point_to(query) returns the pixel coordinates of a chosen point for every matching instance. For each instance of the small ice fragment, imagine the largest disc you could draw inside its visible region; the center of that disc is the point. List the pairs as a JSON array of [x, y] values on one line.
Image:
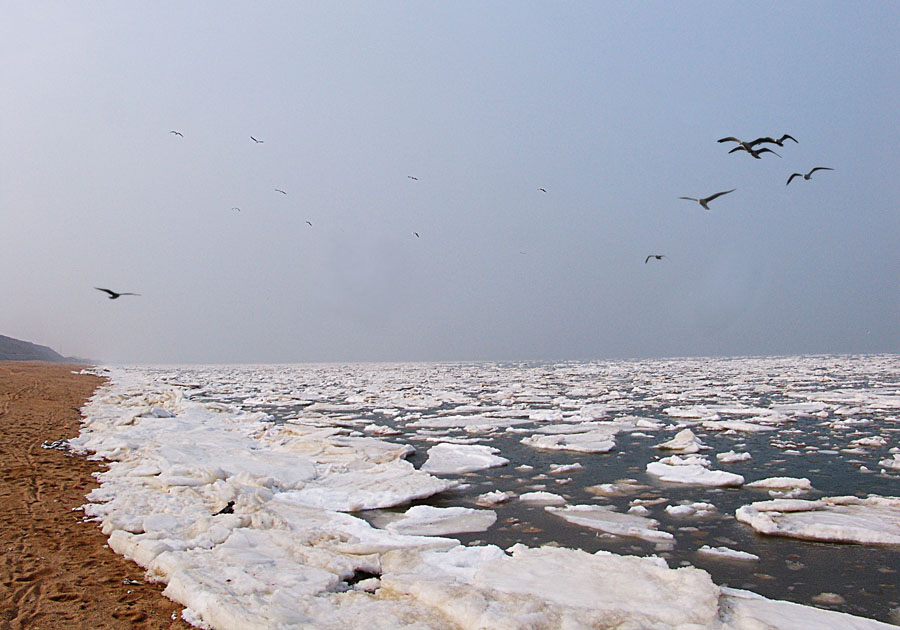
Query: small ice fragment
[[542, 497], [489, 499], [731, 457], [726, 553]]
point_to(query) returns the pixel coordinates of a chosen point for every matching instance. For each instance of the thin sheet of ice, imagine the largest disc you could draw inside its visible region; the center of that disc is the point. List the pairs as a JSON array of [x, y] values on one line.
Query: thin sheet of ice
[[604, 518], [541, 496], [424, 520], [725, 553]]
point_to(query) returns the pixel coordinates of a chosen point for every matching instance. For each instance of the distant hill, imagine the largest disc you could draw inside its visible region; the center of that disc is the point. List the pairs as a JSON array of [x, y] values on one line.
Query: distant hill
[[16, 350]]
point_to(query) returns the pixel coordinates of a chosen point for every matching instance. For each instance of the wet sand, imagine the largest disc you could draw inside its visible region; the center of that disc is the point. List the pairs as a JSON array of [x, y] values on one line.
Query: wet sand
[[56, 571]]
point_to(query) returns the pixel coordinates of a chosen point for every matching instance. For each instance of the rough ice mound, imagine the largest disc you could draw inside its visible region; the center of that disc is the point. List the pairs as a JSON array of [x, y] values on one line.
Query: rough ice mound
[[684, 442], [550, 587], [456, 459], [871, 521]]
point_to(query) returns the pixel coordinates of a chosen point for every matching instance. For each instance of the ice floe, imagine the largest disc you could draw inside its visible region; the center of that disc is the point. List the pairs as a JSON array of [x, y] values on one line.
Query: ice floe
[[731, 457], [540, 496], [725, 553], [456, 459], [684, 442], [605, 519], [595, 441], [694, 474], [874, 520], [424, 520]]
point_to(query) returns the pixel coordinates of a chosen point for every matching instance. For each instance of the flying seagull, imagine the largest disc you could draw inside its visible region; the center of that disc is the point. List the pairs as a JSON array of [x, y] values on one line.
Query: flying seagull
[[417, 234], [235, 208], [706, 200], [411, 177], [256, 141], [178, 133], [656, 256], [113, 295], [746, 146], [754, 152], [543, 190], [281, 191], [779, 142], [818, 168], [309, 224]]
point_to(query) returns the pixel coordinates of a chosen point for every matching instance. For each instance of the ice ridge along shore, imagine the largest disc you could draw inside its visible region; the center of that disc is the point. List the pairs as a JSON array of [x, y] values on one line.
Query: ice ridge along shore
[[247, 522]]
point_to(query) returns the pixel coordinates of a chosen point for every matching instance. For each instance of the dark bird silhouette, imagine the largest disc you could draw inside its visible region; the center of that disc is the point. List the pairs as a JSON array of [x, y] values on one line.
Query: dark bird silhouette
[[656, 256], [746, 146], [754, 152], [309, 224], [113, 295], [281, 191], [417, 234], [779, 142], [178, 133], [256, 141], [706, 200], [235, 208], [411, 177], [818, 168], [543, 190]]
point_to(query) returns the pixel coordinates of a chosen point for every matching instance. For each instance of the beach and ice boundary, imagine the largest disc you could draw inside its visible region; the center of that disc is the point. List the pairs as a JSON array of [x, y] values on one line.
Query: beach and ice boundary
[[247, 523]]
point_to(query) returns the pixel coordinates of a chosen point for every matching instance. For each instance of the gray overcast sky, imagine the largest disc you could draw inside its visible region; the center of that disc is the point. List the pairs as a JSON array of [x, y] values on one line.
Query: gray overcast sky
[[613, 108]]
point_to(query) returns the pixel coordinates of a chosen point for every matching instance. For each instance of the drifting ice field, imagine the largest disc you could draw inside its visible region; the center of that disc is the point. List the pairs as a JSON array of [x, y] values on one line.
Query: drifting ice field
[[643, 494]]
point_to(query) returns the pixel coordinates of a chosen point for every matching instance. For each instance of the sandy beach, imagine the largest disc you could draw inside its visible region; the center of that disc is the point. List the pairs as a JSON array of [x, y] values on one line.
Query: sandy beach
[[56, 571]]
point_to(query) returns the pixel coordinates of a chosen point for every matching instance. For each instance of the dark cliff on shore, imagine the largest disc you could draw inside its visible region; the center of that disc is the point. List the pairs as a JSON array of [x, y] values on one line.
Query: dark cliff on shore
[[17, 350]]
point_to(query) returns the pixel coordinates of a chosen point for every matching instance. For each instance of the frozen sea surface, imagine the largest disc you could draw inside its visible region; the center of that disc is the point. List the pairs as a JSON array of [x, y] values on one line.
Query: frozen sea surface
[[302, 495]]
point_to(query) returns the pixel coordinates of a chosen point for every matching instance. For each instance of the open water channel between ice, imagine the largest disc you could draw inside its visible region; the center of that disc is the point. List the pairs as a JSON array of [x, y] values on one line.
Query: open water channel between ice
[[283, 496]]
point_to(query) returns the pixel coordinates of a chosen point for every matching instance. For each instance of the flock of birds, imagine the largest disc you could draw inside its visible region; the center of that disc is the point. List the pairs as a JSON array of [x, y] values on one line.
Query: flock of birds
[[747, 146]]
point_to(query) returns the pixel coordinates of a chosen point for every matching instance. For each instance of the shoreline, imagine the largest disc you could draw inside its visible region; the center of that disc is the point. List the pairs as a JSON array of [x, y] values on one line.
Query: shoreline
[[57, 571]]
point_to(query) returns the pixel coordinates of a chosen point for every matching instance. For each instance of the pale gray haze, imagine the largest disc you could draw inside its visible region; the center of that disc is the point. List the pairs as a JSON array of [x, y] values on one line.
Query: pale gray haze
[[415, 137]]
